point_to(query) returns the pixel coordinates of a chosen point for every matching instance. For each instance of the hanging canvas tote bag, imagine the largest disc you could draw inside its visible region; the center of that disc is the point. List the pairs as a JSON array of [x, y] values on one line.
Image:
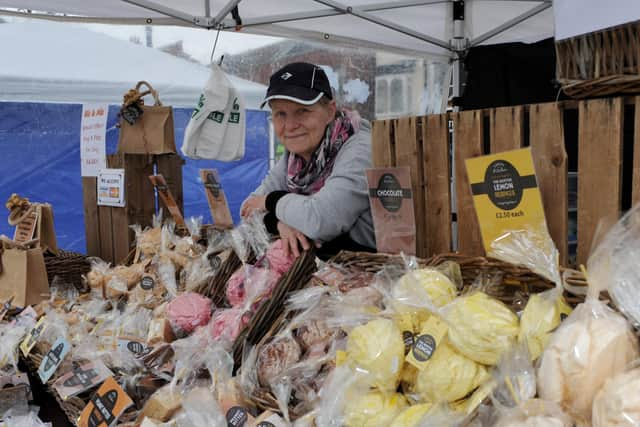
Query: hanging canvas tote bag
[[216, 130]]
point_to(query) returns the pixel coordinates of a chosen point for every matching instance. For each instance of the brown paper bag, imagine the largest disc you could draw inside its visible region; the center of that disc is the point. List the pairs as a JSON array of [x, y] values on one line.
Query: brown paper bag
[[24, 276], [45, 230], [152, 132]]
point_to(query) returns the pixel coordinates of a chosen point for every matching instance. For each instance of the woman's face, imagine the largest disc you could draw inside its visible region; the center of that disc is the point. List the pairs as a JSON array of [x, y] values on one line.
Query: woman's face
[[301, 127]]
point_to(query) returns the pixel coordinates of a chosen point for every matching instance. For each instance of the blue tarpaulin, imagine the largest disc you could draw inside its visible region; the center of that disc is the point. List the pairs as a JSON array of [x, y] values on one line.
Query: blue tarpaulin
[[40, 159]]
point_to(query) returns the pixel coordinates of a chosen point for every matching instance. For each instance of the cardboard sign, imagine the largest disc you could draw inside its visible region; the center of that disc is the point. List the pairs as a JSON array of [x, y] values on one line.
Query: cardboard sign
[[52, 359], [105, 406], [26, 228], [505, 193], [93, 130], [111, 187], [392, 209], [81, 378], [215, 197], [34, 335]]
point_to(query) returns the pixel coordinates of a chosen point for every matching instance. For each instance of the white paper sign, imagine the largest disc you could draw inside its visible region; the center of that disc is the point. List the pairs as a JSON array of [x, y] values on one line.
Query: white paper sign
[[111, 187], [576, 17], [93, 130]]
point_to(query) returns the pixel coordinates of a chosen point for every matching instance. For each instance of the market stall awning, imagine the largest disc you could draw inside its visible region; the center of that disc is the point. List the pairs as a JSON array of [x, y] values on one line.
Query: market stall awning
[[401, 25]]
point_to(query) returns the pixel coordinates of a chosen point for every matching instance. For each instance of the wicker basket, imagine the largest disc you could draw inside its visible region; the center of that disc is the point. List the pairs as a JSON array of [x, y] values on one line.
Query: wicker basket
[[68, 267], [601, 63], [517, 281], [268, 313]]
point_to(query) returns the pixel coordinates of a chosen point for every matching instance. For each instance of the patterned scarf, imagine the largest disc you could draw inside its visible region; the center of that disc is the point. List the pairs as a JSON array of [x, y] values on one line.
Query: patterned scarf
[[309, 177]]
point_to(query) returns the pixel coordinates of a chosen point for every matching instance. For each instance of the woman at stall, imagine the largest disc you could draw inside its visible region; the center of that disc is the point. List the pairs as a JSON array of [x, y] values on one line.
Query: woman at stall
[[317, 192]]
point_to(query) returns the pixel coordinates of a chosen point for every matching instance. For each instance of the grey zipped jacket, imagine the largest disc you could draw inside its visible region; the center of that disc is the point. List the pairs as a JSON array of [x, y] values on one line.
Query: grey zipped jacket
[[341, 206]]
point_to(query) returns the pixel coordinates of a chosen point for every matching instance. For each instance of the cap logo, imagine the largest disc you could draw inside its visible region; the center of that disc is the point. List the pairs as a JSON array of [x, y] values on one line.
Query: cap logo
[[286, 76]]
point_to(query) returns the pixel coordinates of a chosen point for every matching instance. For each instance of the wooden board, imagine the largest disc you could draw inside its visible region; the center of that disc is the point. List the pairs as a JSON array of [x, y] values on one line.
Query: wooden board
[[600, 132], [382, 149], [635, 192], [409, 153], [546, 136], [141, 202], [507, 128], [216, 198], [106, 235], [121, 234], [467, 142], [437, 173], [90, 198], [167, 198]]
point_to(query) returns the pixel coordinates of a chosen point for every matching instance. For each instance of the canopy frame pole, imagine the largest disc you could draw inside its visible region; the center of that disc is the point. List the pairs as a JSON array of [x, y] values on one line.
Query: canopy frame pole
[[384, 23], [276, 19], [459, 45], [224, 12], [207, 9], [149, 5], [512, 23]]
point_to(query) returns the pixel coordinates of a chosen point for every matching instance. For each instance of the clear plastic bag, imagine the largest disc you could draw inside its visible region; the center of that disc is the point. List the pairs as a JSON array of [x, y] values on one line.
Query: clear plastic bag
[[593, 344], [614, 262], [514, 378], [617, 404], [534, 413]]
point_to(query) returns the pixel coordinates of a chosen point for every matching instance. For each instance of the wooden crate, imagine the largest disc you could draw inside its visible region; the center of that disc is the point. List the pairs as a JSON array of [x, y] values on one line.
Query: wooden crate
[[593, 132], [107, 228]]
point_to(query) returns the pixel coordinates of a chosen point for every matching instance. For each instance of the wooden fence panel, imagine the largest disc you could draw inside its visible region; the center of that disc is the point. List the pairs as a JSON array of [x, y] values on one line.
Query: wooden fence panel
[[550, 160], [507, 128], [382, 146], [409, 153], [467, 141], [121, 234], [92, 233], [437, 194], [600, 132], [635, 194]]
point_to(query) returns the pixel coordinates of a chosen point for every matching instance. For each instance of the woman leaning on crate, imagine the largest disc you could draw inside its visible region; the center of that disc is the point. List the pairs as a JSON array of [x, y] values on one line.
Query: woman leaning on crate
[[317, 192]]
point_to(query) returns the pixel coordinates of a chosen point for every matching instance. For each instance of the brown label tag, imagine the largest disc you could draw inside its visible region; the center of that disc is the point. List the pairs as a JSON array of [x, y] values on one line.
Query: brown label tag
[[81, 378], [106, 406], [391, 202]]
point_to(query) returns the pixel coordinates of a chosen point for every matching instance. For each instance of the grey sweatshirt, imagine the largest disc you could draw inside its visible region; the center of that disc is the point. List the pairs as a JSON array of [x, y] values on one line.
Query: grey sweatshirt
[[341, 206]]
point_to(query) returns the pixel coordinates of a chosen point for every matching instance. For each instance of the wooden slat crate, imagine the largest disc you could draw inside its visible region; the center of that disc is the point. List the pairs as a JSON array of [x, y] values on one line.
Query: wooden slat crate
[[107, 228], [588, 136]]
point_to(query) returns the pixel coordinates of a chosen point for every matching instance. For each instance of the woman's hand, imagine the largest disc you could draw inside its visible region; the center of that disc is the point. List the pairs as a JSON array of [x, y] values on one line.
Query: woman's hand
[[253, 204], [292, 239]]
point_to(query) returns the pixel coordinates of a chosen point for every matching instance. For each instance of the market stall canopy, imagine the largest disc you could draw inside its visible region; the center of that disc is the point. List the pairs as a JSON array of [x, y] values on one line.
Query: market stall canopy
[[401, 25], [54, 62]]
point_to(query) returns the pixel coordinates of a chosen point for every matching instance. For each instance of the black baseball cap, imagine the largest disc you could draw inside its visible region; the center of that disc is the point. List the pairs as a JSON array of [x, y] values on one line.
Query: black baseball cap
[[300, 82]]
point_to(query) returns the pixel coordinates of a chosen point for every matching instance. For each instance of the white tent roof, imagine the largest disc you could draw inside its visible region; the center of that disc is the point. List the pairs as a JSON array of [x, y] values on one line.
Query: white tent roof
[[49, 61], [406, 25]]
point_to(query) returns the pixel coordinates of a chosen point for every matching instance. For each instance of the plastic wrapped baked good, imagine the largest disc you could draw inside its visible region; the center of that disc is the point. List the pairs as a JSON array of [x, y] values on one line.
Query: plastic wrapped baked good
[[377, 347], [278, 261], [275, 356], [481, 327], [448, 376], [591, 346], [617, 404], [411, 416], [373, 409], [534, 413], [540, 317], [188, 311], [250, 282]]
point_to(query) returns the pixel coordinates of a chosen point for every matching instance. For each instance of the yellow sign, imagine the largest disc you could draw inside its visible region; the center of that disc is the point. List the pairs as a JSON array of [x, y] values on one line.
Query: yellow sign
[[505, 193]]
